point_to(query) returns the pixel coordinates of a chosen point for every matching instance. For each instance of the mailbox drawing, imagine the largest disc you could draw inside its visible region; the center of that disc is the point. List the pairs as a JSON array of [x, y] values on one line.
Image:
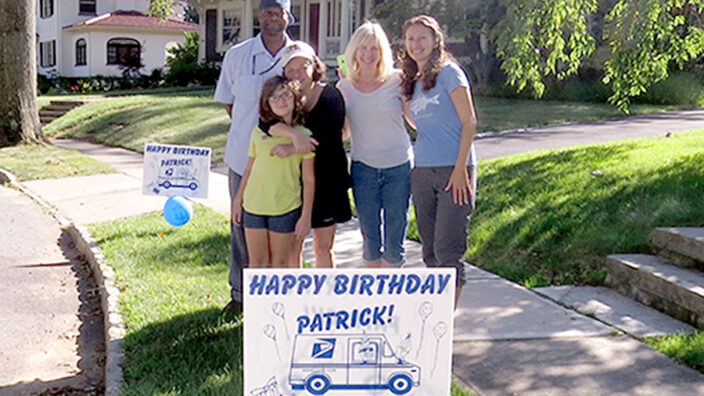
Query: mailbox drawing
[[322, 362]]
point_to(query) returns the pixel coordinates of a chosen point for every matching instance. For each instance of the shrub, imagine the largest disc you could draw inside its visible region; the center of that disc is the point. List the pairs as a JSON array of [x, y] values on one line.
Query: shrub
[[581, 90], [44, 83], [184, 54], [154, 79], [204, 73], [572, 89], [680, 88]]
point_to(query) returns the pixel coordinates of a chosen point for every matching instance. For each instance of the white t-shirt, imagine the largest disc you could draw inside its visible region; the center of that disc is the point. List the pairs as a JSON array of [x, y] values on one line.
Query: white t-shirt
[[245, 68], [378, 133]]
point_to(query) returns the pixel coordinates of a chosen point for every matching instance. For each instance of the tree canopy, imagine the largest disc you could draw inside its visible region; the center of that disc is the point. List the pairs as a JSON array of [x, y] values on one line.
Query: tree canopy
[[537, 40]]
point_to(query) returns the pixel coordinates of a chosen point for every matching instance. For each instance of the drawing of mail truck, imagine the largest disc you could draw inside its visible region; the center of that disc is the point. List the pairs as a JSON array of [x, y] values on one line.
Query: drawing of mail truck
[[349, 362], [180, 179]]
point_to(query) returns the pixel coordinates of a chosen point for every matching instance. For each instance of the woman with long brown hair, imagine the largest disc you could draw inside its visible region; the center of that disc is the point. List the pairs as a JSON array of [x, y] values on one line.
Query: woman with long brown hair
[[443, 181]]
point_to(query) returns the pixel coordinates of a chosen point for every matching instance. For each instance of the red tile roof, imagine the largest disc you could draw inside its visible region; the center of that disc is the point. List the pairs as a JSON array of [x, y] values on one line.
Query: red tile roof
[[134, 19]]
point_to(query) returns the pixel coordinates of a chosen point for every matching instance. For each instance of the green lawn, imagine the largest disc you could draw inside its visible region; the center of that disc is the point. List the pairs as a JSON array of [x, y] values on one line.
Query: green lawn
[[686, 349], [550, 217], [190, 118], [194, 118], [173, 283], [43, 100], [43, 161]]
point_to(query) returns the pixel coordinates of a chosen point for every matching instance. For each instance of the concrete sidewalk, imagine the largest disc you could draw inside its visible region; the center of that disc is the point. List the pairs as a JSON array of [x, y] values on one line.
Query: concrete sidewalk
[[508, 340], [50, 337]]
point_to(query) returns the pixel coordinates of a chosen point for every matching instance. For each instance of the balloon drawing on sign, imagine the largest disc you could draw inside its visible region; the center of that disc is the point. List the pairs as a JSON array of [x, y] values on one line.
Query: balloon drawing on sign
[[178, 211], [280, 311], [404, 347], [270, 331], [439, 331], [269, 389], [424, 311]]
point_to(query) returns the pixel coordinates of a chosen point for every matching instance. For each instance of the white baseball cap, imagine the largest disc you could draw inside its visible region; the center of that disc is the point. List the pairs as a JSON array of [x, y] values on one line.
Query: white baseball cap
[[298, 49]]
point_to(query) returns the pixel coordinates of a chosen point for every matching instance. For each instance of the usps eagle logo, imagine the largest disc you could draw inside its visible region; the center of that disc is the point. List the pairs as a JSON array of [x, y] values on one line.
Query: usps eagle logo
[[324, 348]]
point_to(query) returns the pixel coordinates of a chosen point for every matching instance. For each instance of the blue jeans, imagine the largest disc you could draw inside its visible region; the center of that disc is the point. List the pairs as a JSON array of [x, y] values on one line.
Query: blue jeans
[[382, 193]]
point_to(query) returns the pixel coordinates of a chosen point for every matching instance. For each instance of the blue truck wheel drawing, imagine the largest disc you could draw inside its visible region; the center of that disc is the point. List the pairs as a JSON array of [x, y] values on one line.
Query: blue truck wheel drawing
[[317, 384], [400, 384], [322, 362]]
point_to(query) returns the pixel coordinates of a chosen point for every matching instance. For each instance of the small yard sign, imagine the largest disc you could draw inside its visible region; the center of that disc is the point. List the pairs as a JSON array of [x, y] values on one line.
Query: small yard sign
[[176, 170], [348, 332]]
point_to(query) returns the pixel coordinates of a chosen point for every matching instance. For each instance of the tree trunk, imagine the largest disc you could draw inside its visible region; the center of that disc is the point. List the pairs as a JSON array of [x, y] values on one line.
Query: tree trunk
[[19, 118]]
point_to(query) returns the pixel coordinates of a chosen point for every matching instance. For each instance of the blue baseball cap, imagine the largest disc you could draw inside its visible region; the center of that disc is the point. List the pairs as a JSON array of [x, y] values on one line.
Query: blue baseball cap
[[283, 4]]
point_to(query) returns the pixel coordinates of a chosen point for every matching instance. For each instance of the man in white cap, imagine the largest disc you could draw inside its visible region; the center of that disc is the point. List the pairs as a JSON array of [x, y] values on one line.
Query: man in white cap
[[244, 69]]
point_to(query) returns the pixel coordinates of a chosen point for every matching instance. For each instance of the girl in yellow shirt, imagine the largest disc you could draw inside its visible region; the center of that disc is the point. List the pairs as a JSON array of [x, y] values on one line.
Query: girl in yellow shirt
[[269, 203]]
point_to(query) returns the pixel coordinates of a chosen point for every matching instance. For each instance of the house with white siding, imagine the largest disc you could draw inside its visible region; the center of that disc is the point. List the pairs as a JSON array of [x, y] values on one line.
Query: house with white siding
[[326, 24], [82, 38]]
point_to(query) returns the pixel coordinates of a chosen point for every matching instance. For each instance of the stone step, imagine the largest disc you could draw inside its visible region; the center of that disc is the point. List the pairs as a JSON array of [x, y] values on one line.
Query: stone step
[[49, 111], [653, 281], [616, 310], [59, 108], [56, 109], [683, 246], [66, 103]]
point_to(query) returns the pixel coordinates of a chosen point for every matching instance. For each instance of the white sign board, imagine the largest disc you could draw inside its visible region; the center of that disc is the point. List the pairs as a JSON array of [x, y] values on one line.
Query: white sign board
[[348, 332], [176, 170]]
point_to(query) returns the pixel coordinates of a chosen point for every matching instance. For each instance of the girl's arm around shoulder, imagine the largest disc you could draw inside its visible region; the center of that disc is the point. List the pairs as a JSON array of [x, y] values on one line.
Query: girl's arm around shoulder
[[301, 143], [303, 224]]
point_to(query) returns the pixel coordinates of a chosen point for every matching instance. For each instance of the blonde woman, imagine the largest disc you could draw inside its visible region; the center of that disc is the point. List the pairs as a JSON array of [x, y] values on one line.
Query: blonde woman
[[381, 149]]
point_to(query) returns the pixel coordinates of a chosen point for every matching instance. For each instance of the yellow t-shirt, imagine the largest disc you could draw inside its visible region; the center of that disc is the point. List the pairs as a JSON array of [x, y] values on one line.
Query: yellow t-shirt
[[274, 186]]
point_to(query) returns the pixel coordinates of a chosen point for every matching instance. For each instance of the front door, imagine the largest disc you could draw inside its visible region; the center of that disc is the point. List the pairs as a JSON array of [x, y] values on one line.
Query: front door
[[313, 21], [211, 32]]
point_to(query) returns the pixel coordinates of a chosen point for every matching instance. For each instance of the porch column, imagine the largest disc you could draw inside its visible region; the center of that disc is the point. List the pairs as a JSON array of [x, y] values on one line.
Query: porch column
[[201, 33], [345, 23], [248, 19], [323, 30]]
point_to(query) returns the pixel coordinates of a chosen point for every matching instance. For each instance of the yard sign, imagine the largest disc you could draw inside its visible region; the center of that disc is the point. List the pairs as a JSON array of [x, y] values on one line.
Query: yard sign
[[176, 170], [348, 332]]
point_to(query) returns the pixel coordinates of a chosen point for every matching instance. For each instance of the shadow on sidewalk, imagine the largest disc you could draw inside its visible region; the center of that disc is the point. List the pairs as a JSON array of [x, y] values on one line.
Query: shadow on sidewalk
[[90, 343], [612, 365]]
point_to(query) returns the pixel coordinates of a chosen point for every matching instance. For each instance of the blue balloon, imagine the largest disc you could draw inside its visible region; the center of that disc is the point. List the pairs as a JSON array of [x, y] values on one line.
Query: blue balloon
[[178, 211]]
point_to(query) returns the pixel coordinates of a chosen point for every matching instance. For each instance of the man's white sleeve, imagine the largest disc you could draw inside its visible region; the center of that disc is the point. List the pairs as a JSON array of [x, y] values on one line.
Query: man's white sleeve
[[223, 91]]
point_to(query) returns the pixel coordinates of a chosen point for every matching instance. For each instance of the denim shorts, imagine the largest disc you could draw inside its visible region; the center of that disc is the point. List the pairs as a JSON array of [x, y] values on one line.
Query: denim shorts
[[284, 223], [382, 197]]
